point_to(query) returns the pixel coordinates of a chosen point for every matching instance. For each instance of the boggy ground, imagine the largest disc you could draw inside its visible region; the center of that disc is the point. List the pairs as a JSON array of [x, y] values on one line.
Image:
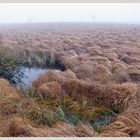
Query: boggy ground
[[95, 94]]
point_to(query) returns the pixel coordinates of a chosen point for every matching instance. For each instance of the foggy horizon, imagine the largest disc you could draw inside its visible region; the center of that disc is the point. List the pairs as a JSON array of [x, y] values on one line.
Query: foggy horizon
[[125, 13]]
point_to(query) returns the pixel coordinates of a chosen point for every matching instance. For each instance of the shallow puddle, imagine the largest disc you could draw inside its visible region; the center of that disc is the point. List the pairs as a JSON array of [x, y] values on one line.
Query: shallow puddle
[[30, 74]]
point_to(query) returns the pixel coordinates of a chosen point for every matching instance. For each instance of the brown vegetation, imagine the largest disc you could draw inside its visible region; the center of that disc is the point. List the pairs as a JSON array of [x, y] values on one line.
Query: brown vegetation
[[111, 96], [20, 127], [100, 75]]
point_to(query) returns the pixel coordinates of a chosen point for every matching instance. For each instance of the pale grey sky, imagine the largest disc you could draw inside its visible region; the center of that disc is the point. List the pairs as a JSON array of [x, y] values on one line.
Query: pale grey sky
[[73, 12]]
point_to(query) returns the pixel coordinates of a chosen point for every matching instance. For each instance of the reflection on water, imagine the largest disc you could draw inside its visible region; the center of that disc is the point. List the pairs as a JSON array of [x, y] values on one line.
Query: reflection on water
[[31, 74]]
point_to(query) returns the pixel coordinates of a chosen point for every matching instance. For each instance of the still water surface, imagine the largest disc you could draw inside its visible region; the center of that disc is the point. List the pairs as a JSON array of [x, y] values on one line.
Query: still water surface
[[31, 74]]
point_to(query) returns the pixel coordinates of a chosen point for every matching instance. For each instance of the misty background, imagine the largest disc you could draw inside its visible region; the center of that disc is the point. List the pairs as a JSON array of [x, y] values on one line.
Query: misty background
[[69, 12]]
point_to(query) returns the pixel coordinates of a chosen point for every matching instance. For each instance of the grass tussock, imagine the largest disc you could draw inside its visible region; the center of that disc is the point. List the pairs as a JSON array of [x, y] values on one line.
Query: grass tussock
[[9, 99], [128, 122], [17, 128], [68, 46], [72, 102], [96, 93], [112, 96], [22, 128], [50, 112], [9, 102]]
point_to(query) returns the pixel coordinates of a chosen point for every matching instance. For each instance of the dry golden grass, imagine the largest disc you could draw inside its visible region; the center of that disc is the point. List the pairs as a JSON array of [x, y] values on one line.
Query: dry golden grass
[[49, 89], [17, 127], [66, 130], [95, 50], [14, 105], [135, 75], [7, 91], [101, 66], [128, 122], [9, 100], [115, 96], [113, 134], [71, 46], [22, 128], [98, 94]]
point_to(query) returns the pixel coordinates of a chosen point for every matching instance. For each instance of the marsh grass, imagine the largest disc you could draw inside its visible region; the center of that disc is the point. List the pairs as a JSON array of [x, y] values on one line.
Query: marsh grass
[[82, 110], [39, 58], [66, 109], [96, 92], [10, 65]]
